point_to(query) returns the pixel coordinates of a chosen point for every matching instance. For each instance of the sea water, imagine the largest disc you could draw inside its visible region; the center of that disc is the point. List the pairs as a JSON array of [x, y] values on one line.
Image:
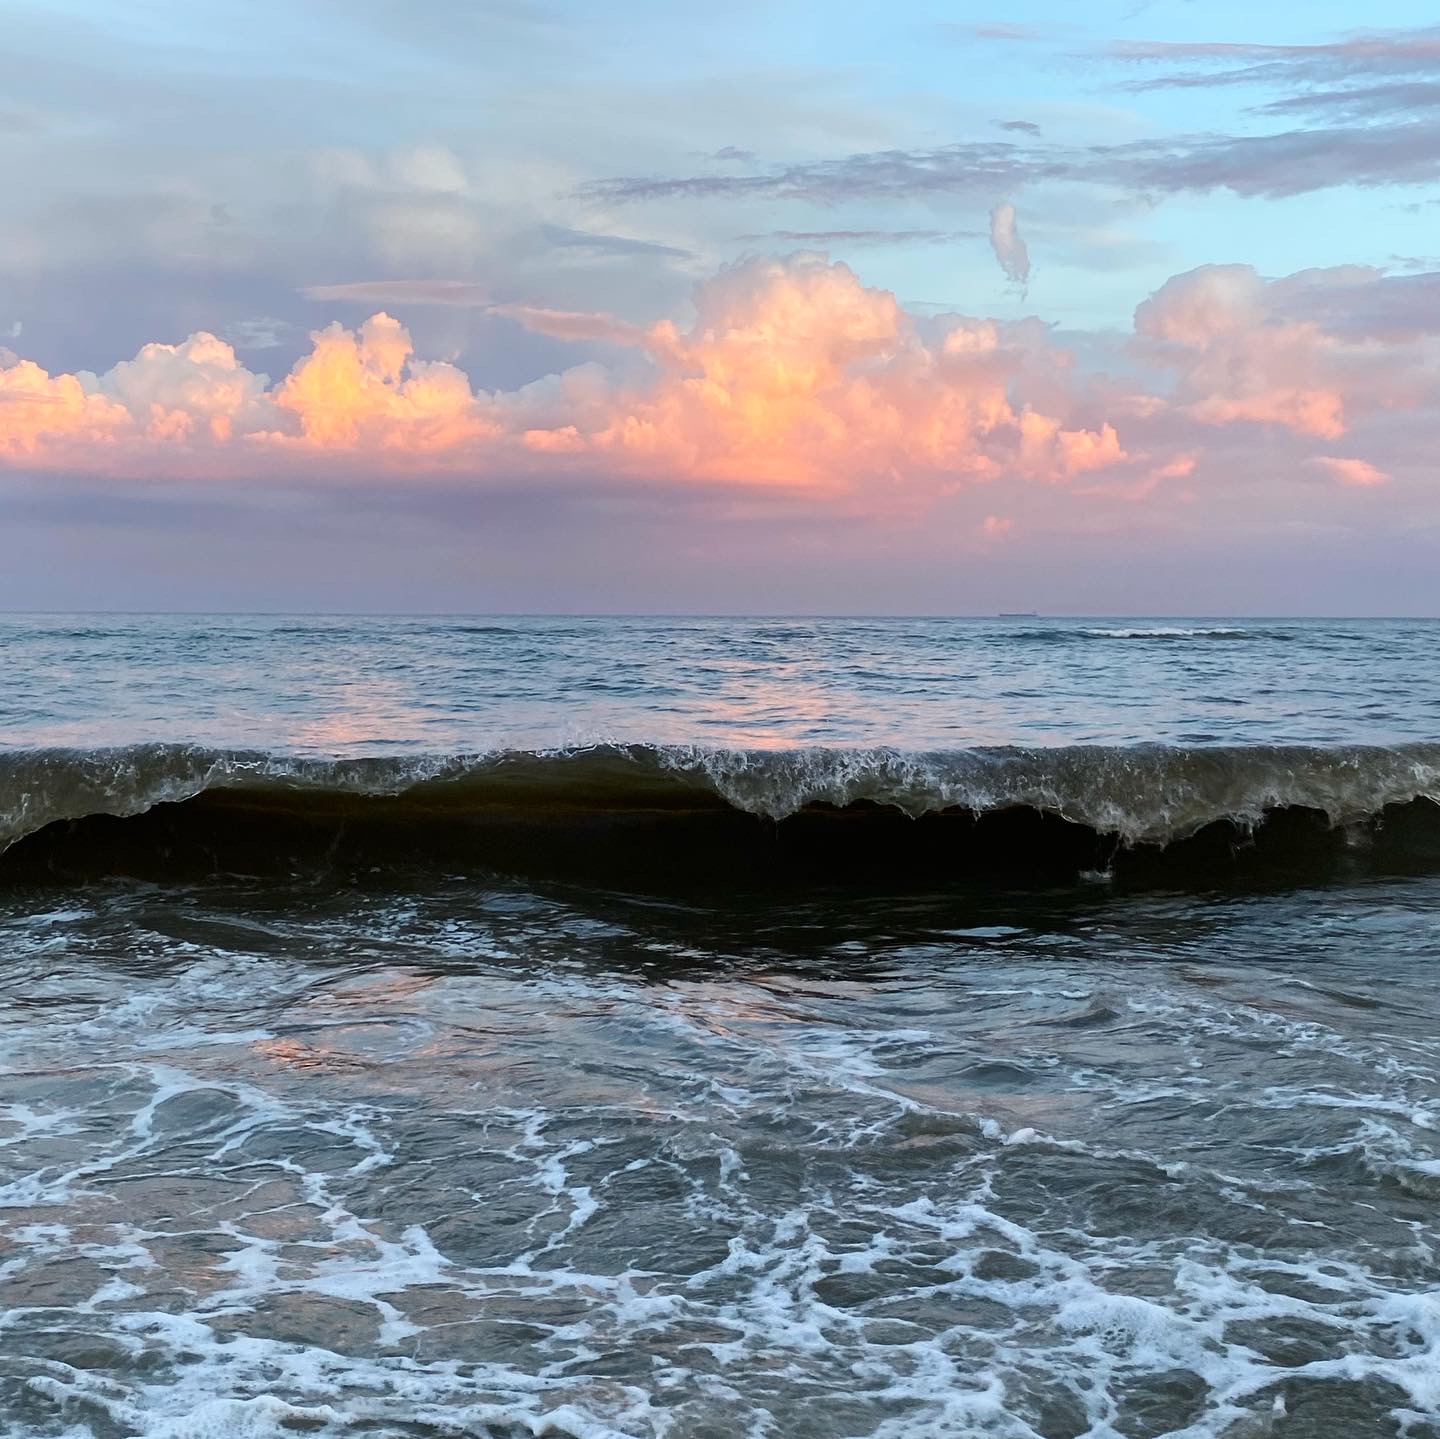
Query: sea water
[[712, 1027]]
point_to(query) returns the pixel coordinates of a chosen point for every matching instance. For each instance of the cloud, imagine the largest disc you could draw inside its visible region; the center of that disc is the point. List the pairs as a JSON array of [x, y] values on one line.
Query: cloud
[[1280, 352], [365, 389], [1361, 303], [792, 375], [969, 168], [1004, 30], [199, 387], [1295, 162], [1292, 162], [1384, 76], [791, 378], [1008, 246], [1359, 102], [461, 294], [823, 239], [1372, 101], [1349, 471], [795, 374], [19, 122], [264, 332], [572, 324], [564, 238], [1364, 55], [40, 413]]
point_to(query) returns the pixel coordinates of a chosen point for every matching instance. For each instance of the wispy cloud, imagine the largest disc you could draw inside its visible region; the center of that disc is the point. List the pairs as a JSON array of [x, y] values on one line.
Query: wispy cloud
[[1359, 56], [1003, 30], [824, 238], [1292, 162], [1360, 473], [461, 294], [1375, 98], [599, 244], [1368, 75], [1010, 249]]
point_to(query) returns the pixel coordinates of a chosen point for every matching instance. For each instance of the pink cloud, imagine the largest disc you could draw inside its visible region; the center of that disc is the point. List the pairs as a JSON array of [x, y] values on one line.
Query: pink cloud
[[791, 376], [1349, 471], [1243, 348]]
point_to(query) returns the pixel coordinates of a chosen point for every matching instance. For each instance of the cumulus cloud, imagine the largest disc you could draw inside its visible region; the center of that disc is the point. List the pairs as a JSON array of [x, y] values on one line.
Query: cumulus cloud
[[39, 412], [791, 376], [796, 374], [199, 387], [1009, 247], [366, 389], [1279, 352]]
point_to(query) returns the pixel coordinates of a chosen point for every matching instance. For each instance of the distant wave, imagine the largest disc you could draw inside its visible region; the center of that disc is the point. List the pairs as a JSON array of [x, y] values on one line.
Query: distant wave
[[1176, 632], [1087, 634], [149, 806]]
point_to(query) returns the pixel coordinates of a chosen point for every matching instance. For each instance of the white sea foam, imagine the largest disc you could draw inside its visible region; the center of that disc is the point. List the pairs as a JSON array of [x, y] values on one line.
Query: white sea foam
[[1000, 1178], [1171, 632]]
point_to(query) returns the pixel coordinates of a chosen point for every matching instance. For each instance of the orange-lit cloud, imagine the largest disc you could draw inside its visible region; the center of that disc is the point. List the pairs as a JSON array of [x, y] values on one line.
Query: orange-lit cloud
[[792, 374], [366, 390], [40, 413]]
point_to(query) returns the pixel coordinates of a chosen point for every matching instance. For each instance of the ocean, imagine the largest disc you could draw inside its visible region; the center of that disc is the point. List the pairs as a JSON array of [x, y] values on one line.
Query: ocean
[[696, 1028]]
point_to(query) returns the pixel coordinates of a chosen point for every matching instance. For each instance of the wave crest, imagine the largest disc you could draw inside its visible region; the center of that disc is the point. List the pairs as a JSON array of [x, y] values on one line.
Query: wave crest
[[491, 807], [1152, 794]]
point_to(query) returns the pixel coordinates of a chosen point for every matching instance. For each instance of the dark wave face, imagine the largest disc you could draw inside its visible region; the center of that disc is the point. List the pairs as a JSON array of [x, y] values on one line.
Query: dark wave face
[[646, 815], [637, 1029]]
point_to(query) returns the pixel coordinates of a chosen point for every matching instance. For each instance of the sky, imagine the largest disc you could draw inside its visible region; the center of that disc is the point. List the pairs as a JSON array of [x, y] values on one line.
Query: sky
[[1130, 307]]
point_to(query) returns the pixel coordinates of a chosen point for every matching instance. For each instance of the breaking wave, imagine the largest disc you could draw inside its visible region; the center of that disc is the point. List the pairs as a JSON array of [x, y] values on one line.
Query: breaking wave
[[156, 808]]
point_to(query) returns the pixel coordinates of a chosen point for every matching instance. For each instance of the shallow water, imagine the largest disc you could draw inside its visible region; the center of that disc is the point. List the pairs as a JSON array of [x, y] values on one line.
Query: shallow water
[[422, 1152]]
